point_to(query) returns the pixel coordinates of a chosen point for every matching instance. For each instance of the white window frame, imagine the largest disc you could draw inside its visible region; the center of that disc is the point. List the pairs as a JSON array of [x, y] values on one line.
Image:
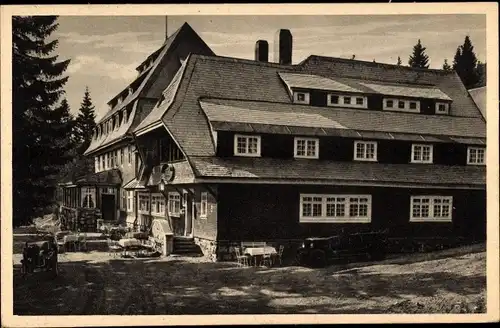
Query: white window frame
[[143, 198], [123, 200], [247, 139], [333, 199], [446, 108], [307, 140], [353, 100], [475, 151], [203, 205], [432, 201], [364, 158], [130, 201], [96, 163], [395, 105], [421, 160], [307, 97], [88, 191], [174, 198]]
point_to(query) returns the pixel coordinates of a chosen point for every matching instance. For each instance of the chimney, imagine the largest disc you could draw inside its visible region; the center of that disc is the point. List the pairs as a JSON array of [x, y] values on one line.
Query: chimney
[[166, 28], [283, 47], [262, 51]]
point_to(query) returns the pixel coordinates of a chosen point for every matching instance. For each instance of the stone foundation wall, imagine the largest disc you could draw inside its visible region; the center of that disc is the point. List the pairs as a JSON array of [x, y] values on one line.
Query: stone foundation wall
[[83, 219], [208, 248]]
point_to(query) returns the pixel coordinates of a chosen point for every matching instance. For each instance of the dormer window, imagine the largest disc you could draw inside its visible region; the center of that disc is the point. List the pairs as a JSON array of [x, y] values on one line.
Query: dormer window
[[334, 99], [339, 100], [301, 97], [402, 105], [347, 100], [476, 155], [360, 101], [421, 153], [442, 108], [245, 145], [306, 148], [365, 151]]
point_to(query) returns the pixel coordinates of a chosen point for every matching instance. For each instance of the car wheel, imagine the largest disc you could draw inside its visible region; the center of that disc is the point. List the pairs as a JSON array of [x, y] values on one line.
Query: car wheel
[[317, 258]]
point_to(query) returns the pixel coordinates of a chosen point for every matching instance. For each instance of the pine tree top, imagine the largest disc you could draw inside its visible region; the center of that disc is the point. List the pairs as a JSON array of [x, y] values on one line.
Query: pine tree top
[[419, 58]]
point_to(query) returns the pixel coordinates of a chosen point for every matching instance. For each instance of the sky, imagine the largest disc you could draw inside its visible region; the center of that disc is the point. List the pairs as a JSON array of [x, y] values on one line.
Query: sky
[[105, 50]]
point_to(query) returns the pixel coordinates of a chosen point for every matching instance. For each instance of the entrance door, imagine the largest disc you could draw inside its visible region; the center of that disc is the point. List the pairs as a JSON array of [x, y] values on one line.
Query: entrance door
[[108, 207]]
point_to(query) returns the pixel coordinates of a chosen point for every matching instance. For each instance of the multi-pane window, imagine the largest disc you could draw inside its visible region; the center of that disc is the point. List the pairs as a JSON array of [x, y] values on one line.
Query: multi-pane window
[[115, 156], [421, 153], [174, 203], [144, 203], [130, 154], [108, 160], [335, 208], [96, 162], [402, 105], [476, 155], [103, 164], [365, 151], [88, 197], [306, 148], [158, 204], [121, 156], [347, 100], [246, 145], [359, 100], [130, 201], [334, 99], [203, 204], [431, 208]]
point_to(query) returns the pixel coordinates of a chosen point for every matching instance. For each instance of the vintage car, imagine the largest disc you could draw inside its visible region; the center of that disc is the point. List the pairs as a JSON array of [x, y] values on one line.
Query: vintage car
[[40, 255], [320, 251]]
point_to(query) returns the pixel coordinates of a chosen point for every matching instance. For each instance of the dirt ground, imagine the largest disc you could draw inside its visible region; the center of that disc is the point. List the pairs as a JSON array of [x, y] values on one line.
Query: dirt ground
[[97, 283]]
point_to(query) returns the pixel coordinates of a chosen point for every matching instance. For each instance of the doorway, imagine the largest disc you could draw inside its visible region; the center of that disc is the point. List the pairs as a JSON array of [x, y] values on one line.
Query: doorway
[[108, 207], [188, 209]]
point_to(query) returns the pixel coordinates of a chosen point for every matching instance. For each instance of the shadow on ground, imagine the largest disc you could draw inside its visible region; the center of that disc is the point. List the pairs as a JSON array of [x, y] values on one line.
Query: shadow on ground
[[184, 286]]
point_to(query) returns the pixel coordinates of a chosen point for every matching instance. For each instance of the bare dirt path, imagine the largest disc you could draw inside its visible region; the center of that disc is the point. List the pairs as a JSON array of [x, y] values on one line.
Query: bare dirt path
[[96, 283]]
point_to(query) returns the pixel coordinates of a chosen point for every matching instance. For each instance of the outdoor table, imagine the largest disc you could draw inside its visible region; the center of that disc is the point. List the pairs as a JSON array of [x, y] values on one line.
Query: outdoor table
[[254, 252]]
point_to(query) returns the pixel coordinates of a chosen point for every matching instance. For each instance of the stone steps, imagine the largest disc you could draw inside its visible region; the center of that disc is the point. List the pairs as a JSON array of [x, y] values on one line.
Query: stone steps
[[185, 246]]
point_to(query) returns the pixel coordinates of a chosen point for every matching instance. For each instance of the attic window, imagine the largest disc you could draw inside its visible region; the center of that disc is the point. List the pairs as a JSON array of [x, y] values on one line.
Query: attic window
[[359, 101], [403, 105], [347, 100], [334, 99], [300, 97], [389, 103], [442, 108]]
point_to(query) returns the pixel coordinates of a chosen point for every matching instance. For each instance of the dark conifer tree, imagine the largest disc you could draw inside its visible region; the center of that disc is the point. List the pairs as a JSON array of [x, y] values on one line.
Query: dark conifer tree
[[465, 64], [85, 123], [446, 66], [418, 58], [39, 124]]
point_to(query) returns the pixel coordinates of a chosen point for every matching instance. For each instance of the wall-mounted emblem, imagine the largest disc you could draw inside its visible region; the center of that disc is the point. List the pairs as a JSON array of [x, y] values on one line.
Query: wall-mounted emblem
[[167, 172]]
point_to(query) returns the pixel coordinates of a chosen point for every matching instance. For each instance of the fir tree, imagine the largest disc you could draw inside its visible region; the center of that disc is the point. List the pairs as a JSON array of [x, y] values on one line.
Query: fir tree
[[446, 66], [418, 58], [38, 127], [85, 123], [399, 61], [481, 73], [465, 63]]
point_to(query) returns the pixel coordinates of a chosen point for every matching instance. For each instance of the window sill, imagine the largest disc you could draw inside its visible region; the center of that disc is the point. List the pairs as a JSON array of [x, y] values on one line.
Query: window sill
[[306, 157], [414, 162], [365, 159], [315, 220], [431, 220], [477, 164]]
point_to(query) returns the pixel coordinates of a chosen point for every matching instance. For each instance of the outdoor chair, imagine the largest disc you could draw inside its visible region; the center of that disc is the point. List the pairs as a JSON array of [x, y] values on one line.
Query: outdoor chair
[[242, 259], [113, 248], [267, 260]]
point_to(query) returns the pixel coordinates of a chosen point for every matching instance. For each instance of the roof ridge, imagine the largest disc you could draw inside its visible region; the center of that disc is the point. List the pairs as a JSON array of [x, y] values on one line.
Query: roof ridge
[[244, 60], [346, 60]]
